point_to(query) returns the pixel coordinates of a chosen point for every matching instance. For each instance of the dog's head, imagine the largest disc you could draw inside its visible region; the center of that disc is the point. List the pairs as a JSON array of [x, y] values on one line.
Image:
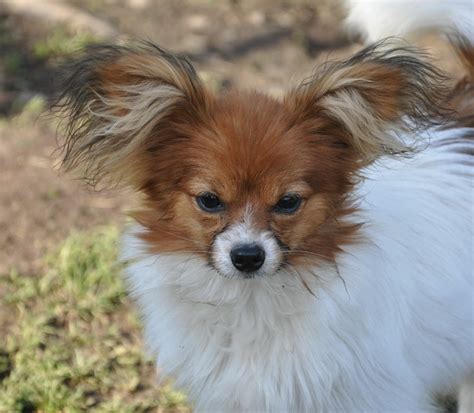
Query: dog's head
[[248, 182]]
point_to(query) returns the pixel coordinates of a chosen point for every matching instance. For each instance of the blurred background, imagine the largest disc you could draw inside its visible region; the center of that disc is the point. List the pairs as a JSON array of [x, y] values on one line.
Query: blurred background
[[69, 338]]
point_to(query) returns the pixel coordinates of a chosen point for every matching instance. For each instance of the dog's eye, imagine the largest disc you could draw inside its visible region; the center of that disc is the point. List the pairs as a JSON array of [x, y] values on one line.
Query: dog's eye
[[209, 202], [288, 204]]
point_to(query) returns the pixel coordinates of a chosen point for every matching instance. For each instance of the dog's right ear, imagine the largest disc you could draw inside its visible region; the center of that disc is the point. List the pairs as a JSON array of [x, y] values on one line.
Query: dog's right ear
[[116, 101]]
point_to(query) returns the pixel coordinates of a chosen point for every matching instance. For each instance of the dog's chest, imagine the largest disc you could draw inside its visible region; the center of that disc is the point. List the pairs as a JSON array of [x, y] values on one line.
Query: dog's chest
[[260, 351]]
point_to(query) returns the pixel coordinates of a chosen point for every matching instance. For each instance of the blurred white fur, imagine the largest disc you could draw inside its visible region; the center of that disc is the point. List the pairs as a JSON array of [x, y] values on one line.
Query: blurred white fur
[[377, 19]]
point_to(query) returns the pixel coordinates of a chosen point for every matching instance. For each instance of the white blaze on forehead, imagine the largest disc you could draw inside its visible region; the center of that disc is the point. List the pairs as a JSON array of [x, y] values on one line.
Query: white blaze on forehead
[[244, 232]]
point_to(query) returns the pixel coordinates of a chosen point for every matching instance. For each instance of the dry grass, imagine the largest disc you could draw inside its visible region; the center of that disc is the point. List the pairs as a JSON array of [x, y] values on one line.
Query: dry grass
[[75, 345]]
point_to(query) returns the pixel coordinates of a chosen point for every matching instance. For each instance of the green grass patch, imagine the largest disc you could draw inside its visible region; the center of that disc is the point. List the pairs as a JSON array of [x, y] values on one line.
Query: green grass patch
[[59, 43], [74, 344]]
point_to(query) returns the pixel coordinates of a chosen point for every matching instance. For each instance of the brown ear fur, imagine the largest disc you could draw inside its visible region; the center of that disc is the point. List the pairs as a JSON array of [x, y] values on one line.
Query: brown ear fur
[[114, 101], [461, 99], [383, 90]]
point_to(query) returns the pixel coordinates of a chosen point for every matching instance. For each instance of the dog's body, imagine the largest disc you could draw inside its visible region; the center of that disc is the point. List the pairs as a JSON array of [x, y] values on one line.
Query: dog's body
[[390, 327], [293, 256], [376, 19]]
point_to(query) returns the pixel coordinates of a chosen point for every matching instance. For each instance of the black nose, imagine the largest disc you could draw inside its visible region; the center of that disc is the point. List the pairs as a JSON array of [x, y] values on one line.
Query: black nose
[[247, 257]]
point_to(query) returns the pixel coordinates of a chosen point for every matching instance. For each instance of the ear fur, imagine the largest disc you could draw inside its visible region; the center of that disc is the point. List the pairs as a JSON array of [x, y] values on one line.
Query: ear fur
[[114, 100], [374, 97]]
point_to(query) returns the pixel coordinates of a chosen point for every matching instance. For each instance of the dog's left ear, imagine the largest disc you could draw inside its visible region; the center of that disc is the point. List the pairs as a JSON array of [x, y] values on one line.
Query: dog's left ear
[[366, 102]]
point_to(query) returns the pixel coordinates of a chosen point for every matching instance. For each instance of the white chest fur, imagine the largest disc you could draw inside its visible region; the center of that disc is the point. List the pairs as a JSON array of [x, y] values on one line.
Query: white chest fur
[[387, 329]]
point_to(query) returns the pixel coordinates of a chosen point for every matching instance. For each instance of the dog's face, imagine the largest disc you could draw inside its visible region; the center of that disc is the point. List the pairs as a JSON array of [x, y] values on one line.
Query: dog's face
[[246, 186], [249, 183]]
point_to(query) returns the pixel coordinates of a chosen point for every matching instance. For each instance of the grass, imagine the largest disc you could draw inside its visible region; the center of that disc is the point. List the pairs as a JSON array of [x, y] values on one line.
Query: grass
[[59, 43], [75, 342]]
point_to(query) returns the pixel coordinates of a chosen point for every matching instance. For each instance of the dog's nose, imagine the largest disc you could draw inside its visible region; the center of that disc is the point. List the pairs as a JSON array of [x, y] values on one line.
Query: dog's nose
[[247, 257]]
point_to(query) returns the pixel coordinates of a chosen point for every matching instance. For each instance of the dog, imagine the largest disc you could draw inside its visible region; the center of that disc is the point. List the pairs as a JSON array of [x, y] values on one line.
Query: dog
[[309, 254]]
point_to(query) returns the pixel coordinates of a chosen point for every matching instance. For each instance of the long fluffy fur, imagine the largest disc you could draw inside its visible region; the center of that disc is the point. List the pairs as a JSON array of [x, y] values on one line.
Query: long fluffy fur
[[379, 18], [381, 322], [391, 323], [114, 97], [384, 90]]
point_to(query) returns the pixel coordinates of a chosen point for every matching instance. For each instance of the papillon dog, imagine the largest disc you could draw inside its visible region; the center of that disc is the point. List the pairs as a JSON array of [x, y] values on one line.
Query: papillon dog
[[307, 254]]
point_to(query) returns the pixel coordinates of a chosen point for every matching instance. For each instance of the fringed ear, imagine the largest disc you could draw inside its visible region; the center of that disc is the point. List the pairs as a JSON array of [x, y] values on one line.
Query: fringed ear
[[115, 101], [369, 101]]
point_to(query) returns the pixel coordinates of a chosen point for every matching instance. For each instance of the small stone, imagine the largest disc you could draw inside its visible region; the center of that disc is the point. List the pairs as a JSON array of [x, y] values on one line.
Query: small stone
[[284, 19], [197, 22], [194, 43], [256, 18], [138, 4]]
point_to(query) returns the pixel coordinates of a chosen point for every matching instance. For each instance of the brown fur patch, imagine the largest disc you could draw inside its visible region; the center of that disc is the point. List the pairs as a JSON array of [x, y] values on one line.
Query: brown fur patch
[[114, 99], [385, 89], [461, 99], [249, 150]]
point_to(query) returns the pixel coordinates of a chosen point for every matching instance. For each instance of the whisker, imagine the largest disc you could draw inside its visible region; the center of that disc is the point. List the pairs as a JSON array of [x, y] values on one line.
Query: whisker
[[203, 302], [313, 273], [338, 276], [342, 279], [303, 281], [309, 253]]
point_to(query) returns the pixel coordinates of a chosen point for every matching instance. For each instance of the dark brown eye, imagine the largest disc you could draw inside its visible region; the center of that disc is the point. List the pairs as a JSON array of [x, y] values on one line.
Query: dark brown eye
[[209, 202], [288, 204]]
